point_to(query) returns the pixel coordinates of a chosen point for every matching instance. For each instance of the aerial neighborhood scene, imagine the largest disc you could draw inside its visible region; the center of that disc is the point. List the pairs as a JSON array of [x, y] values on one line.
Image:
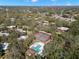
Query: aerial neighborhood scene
[[39, 29]]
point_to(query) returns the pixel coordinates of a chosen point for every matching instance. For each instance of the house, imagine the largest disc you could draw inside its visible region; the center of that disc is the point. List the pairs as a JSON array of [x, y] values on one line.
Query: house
[[12, 19], [36, 49], [23, 37], [20, 30], [45, 23], [42, 36], [63, 28], [4, 34], [71, 19], [11, 27], [3, 46]]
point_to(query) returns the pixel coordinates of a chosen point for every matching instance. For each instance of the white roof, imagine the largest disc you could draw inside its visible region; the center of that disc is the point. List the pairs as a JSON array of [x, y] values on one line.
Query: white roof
[[5, 46], [10, 27], [20, 30], [63, 28], [22, 37], [12, 19], [6, 34]]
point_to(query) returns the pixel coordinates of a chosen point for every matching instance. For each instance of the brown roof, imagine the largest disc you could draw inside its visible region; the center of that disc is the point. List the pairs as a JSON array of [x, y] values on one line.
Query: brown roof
[[30, 52], [42, 36]]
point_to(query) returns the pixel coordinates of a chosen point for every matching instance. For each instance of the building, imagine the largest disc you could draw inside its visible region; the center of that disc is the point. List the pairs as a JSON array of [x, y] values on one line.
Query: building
[[11, 27], [60, 30], [63, 28], [23, 37], [3, 46], [36, 48], [42, 36], [20, 30], [4, 34]]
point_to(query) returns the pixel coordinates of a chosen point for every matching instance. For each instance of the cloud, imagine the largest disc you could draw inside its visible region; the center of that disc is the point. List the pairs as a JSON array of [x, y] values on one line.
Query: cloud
[[53, 0], [34, 0], [68, 4]]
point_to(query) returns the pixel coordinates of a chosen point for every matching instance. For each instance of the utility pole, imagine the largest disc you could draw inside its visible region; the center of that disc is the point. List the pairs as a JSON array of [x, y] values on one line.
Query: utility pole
[[24, 15], [7, 15], [61, 12], [12, 20]]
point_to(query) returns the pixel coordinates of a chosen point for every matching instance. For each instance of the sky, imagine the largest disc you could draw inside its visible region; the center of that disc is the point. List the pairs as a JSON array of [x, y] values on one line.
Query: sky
[[39, 2]]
